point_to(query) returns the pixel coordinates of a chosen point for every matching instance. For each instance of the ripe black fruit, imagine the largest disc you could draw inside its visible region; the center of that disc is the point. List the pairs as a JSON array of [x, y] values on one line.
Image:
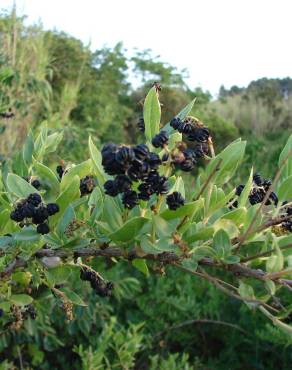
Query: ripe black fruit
[[130, 199], [34, 199], [43, 228], [175, 200], [52, 208], [160, 139], [36, 184]]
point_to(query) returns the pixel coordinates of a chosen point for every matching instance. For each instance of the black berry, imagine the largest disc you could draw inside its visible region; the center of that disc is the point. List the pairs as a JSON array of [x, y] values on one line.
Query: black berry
[[130, 199], [43, 228], [160, 139], [175, 200], [52, 208], [34, 199]]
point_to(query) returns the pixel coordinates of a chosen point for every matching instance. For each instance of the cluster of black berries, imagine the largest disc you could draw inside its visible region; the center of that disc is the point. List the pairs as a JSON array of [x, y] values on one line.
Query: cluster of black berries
[[87, 183], [194, 129], [34, 182], [33, 210], [100, 286], [132, 164], [258, 192], [175, 200]]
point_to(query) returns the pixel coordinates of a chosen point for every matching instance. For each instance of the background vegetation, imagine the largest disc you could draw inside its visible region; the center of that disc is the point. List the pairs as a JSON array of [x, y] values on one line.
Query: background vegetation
[[150, 323]]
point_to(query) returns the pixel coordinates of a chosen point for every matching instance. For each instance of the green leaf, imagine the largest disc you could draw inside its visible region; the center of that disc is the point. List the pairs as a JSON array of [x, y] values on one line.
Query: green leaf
[[187, 210], [80, 170], [22, 278], [47, 174], [52, 142], [63, 223], [148, 247], [245, 291], [178, 186], [275, 262], [19, 186], [129, 230], [231, 157], [21, 299], [222, 243], [28, 148], [230, 260], [238, 216], [95, 203], [58, 275], [73, 297], [66, 197], [151, 114], [285, 189], [287, 169], [190, 263], [205, 233], [96, 159], [141, 265], [27, 234], [242, 200], [227, 225]]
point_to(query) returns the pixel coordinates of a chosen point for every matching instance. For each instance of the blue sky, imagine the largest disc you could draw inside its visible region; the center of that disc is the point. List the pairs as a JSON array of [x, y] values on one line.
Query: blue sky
[[219, 41]]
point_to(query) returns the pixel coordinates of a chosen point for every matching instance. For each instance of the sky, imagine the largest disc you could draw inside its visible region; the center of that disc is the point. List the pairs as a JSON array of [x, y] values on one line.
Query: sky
[[219, 42]]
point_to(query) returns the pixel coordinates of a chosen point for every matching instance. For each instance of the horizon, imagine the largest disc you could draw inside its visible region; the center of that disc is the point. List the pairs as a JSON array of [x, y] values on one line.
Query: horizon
[[235, 62]]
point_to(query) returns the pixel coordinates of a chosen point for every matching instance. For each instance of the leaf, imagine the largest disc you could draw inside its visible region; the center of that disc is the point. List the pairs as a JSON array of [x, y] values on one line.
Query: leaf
[[19, 186], [22, 278], [242, 200], [245, 290], [238, 216], [59, 275], [231, 259], [73, 297], [46, 173], [68, 216], [187, 210], [227, 225], [231, 156], [178, 186], [275, 262], [204, 234], [52, 142], [285, 189], [222, 243], [190, 263], [96, 159], [28, 148], [151, 114], [148, 247], [129, 230], [80, 170], [27, 234], [65, 198], [162, 227], [287, 169], [95, 203], [21, 299], [141, 265]]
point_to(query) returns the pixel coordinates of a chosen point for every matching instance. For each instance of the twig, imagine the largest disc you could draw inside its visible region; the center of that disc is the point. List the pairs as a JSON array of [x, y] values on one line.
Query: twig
[[263, 254]]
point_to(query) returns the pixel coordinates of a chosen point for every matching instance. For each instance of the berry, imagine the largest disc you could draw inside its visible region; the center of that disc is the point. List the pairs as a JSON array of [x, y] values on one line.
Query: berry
[[1, 312], [36, 184], [175, 200], [201, 150], [154, 161], [274, 198], [31, 311], [287, 225], [60, 171], [34, 199], [191, 155], [52, 208], [17, 215], [43, 228], [256, 196], [122, 183], [160, 185], [187, 165], [257, 179], [110, 164], [87, 185], [145, 191], [141, 152], [86, 275], [175, 123], [165, 157], [239, 189], [160, 139], [125, 155], [40, 215], [130, 199], [200, 134], [185, 128], [139, 170], [110, 188], [141, 124]]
